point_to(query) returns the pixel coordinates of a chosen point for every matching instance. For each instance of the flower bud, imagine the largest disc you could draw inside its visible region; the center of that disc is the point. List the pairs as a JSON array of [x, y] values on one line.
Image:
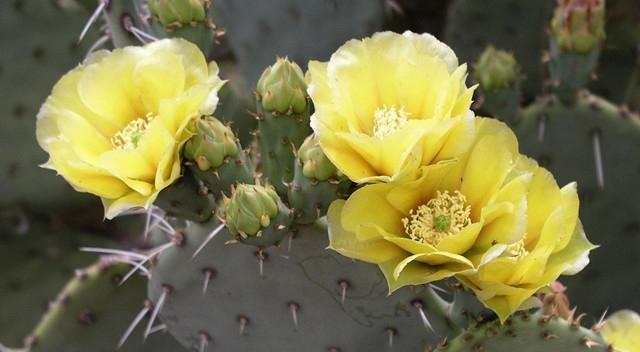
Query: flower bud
[[578, 25], [256, 215], [210, 144], [170, 12], [282, 88], [496, 69], [315, 164]]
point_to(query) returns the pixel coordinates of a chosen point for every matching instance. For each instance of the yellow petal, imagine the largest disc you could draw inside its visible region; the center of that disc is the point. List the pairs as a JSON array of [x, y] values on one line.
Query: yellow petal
[[457, 139], [411, 246], [155, 143], [345, 242], [462, 241], [157, 77], [193, 61], [428, 45], [489, 163], [128, 164], [358, 210], [347, 160], [114, 207], [82, 176], [415, 273], [409, 194], [80, 135], [572, 259], [506, 218], [176, 113], [107, 96], [64, 97], [543, 197], [570, 209]]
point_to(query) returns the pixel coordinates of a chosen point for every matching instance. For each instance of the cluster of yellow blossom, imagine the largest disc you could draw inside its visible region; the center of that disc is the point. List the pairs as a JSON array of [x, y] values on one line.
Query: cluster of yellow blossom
[[442, 192]]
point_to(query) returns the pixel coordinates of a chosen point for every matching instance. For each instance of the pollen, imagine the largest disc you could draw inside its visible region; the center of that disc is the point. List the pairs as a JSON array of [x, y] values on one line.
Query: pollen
[[442, 216], [389, 120], [129, 137]]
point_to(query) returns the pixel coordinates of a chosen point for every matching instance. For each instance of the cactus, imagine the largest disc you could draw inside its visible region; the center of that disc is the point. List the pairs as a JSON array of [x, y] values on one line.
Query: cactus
[[521, 27], [307, 296], [250, 270], [215, 157], [497, 74], [188, 198], [188, 19], [255, 215], [258, 30], [316, 183], [90, 313], [577, 31], [527, 332], [592, 142], [283, 120], [37, 264], [512, 25], [580, 136]]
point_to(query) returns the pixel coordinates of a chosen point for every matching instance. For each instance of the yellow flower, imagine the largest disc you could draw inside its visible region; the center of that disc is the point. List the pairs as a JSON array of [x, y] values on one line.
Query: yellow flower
[[453, 217], [623, 331], [553, 244], [114, 125], [387, 104]]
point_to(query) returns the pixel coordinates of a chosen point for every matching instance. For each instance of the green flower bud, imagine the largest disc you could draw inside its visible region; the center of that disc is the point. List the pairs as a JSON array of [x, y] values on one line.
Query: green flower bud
[[211, 144], [578, 25], [170, 12], [282, 88], [496, 69], [315, 164], [251, 209]]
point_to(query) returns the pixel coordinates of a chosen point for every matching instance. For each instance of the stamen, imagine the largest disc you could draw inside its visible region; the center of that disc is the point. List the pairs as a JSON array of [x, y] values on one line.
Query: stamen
[[440, 217], [389, 120], [517, 249], [129, 137]]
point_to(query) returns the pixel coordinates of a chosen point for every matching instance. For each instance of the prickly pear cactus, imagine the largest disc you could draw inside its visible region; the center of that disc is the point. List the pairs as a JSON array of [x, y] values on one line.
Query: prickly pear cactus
[[91, 313], [36, 265], [259, 30], [511, 25], [298, 294], [594, 142], [527, 332]]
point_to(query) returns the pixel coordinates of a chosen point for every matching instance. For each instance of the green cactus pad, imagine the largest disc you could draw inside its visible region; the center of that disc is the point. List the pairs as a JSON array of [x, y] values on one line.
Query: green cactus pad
[[258, 31], [240, 310], [498, 74], [526, 333], [187, 198], [316, 183], [216, 158], [512, 25], [92, 312], [283, 111], [568, 140]]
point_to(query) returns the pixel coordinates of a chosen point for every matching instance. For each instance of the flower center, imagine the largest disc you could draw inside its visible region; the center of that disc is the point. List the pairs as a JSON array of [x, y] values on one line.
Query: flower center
[[389, 120], [128, 137], [442, 216], [517, 249]]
